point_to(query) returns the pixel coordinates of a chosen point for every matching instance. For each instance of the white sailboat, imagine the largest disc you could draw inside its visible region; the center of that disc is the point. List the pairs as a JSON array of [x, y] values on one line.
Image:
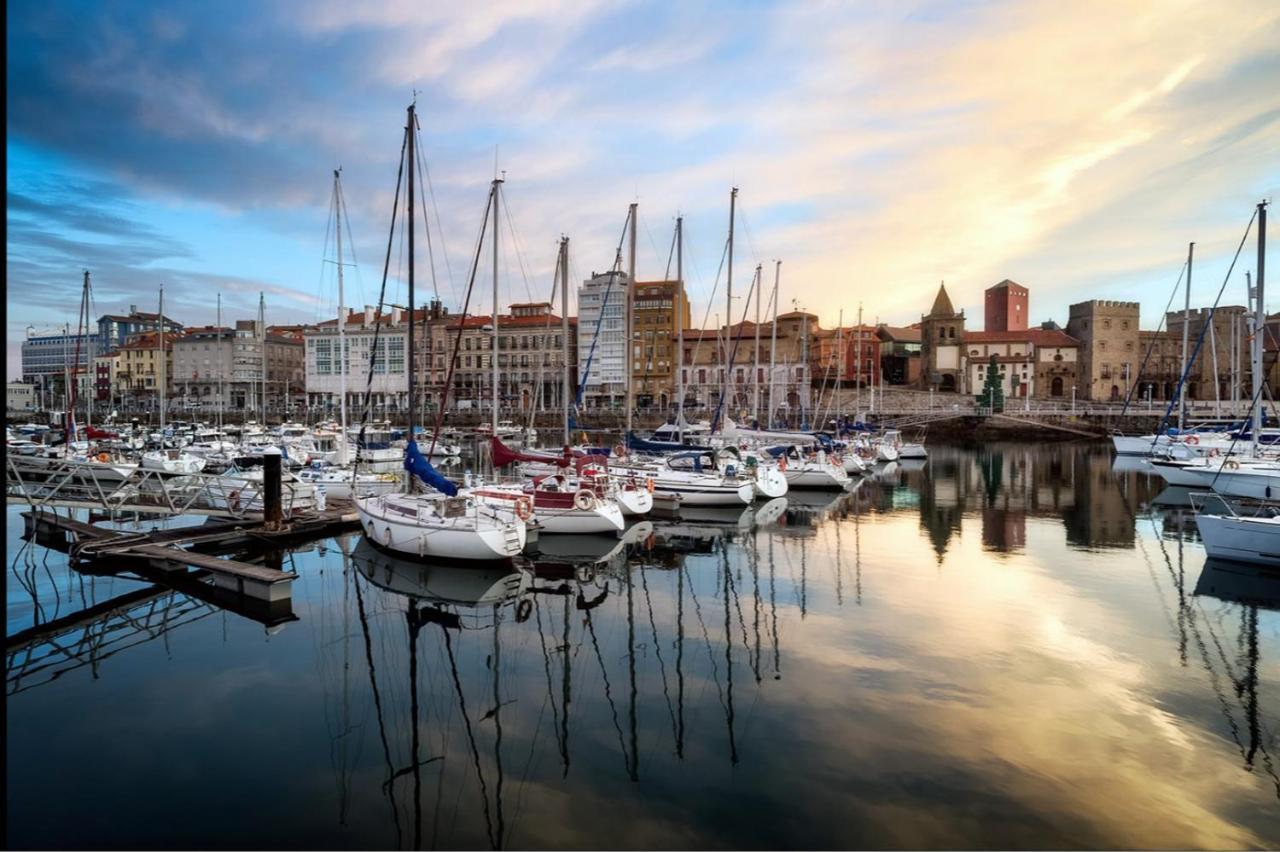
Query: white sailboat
[[436, 523]]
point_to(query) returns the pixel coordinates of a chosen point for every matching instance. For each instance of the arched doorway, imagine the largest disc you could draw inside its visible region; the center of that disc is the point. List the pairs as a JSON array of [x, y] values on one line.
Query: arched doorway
[[1055, 387], [1115, 393], [948, 383]]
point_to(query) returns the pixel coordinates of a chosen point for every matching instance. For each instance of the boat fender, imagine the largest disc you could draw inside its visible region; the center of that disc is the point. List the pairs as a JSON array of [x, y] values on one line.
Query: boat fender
[[584, 500], [524, 508], [648, 484], [524, 609], [386, 535], [782, 463], [234, 500]]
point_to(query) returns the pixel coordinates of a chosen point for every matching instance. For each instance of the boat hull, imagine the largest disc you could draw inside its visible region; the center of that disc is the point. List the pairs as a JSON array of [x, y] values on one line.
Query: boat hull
[[476, 540], [1253, 540]]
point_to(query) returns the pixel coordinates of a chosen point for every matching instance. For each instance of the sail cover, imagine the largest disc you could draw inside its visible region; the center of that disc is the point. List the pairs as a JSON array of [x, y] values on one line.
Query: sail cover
[[504, 455], [416, 463]]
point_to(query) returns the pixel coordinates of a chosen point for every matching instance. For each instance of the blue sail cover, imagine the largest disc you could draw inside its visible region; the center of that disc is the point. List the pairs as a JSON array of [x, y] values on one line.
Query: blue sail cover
[[416, 463], [635, 442]]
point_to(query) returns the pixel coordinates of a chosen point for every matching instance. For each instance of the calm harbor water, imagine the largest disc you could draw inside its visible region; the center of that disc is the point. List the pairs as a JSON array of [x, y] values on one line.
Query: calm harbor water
[[1010, 646]]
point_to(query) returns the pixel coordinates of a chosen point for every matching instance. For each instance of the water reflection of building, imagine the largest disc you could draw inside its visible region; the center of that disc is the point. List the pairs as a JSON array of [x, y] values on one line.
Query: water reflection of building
[[1005, 484]]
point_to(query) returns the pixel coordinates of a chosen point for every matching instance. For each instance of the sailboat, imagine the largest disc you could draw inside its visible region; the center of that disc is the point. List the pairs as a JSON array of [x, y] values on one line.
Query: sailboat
[[167, 459], [336, 477], [438, 522]]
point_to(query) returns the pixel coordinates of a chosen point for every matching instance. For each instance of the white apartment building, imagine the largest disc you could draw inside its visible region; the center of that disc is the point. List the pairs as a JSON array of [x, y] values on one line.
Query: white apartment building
[[602, 306], [326, 363]]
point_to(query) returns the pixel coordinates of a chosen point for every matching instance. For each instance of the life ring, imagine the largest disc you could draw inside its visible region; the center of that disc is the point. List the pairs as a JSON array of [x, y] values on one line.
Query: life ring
[[1192, 439], [1231, 464], [524, 508], [524, 609], [782, 463], [1213, 454], [234, 500], [104, 457], [584, 500], [620, 451], [648, 484]]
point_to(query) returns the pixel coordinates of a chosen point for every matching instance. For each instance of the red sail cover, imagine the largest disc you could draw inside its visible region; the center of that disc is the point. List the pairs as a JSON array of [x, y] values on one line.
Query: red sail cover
[[99, 434], [504, 455]]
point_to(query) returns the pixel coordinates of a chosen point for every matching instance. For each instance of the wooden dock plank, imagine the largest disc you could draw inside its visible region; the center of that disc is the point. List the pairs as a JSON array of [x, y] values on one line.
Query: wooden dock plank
[[212, 564]]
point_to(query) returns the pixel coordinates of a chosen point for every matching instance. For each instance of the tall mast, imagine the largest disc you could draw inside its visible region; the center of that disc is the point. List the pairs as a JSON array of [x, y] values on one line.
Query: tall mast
[[262, 327], [222, 370], [160, 367], [342, 322], [857, 369], [1186, 333], [728, 304], [630, 300], [755, 370], [1259, 325], [92, 370], [564, 334], [678, 306], [493, 344], [841, 366], [773, 342], [410, 124]]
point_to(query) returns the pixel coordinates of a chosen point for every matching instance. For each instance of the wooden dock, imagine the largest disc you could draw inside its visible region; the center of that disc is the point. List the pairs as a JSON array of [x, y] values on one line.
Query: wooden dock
[[182, 549]]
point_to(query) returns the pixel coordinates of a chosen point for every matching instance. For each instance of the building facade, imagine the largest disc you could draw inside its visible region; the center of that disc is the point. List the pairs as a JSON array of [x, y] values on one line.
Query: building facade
[[656, 319], [325, 362], [114, 330], [1109, 347], [20, 396], [1032, 363], [1005, 307], [602, 329], [942, 346], [141, 370]]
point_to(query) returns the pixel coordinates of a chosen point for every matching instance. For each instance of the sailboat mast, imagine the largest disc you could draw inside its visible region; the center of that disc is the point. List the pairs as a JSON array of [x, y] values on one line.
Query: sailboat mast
[[410, 126], [493, 345], [160, 367], [841, 366], [342, 323], [91, 369], [1259, 325], [678, 307], [262, 328], [857, 369], [222, 370], [630, 302], [773, 343], [564, 334], [755, 402], [728, 302], [1186, 336]]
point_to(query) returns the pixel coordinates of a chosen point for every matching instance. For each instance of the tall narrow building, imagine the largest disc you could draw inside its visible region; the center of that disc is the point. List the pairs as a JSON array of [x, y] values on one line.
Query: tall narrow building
[[941, 342]]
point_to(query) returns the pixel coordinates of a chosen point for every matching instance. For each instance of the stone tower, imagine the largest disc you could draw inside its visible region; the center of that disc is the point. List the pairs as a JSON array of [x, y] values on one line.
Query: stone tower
[[941, 346], [1005, 307]]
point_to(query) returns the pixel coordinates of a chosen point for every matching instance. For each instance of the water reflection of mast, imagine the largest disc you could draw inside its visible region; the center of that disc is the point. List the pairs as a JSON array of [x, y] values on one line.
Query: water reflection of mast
[[377, 706], [773, 609], [608, 691], [657, 650], [680, 662], [728, 656], [494, 840], [631, 673]]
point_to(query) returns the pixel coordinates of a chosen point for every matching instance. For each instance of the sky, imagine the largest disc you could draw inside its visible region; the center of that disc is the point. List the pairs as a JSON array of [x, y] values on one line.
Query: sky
[[878, 149]]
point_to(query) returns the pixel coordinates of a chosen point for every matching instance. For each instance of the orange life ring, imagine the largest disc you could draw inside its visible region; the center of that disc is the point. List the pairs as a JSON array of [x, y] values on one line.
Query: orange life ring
[[648, 484], [1192, 439], [104, 458], [524, 508]]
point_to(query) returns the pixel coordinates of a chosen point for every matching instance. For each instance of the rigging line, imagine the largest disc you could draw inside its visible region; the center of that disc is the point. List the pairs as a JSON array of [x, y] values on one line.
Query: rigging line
[[351, 243], [382, 295], [426, 220], [546, 665], [608, 692], [737, 603], [697, 608], [733, 353], [657, 645], [471, 736], [1150, 346], [706, 316], [377, 704], [1177, 396], [462, 322], [670, 255], [324, 255], [444, 246]]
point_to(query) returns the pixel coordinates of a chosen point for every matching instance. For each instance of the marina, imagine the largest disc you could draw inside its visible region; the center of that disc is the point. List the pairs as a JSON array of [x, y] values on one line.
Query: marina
[[1029, 631]]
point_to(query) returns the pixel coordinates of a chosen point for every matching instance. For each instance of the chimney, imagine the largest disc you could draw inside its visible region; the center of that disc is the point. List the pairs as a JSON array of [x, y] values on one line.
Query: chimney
[[368, 314]]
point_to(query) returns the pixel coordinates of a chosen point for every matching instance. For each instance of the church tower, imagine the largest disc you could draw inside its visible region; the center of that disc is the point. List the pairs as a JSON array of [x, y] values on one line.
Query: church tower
[[941, 346]]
